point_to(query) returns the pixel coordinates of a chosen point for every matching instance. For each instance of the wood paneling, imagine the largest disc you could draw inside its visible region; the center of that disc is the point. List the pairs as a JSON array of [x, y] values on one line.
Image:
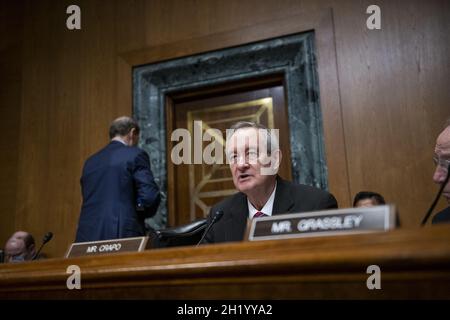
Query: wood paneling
[[394, 98], [382, 109], [11, 19], [414, 265]]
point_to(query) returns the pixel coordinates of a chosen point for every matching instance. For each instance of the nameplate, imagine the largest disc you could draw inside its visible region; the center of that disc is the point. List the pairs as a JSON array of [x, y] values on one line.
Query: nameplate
[[323, 223], [93, 248]]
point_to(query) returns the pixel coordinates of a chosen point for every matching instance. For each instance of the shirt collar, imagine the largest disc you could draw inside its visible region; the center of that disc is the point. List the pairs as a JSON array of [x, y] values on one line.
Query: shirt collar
[[119, 140], [267, 209]]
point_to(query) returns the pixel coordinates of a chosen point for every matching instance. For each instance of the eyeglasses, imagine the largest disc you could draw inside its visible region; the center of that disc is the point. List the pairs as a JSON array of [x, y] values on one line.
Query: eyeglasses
[[443, 163]]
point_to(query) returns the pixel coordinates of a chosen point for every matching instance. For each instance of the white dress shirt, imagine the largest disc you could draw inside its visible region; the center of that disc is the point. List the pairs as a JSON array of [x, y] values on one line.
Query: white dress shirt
[[267, 209]]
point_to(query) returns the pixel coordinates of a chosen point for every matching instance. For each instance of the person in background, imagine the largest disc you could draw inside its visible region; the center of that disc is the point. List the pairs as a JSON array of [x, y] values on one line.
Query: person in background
[[20, 247], [442, 161], [368, 199], [118, 187]]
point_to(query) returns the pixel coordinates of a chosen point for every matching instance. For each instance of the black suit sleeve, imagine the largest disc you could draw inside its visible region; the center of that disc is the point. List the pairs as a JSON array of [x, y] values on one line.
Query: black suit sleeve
[[328, 202], [147, 192]]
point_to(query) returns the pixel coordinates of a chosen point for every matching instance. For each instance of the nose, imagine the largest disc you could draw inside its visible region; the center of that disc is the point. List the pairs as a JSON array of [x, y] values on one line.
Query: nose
[[242, 162], [439, 175]]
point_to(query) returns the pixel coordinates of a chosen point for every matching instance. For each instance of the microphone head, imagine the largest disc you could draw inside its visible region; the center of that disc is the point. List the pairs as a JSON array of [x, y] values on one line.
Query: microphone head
[[216, 217], [48, 236], [218, 214]]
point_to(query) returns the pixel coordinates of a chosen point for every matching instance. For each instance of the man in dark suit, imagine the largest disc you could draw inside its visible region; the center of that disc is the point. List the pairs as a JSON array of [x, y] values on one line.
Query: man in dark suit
[[118, 188], [442, 162], [254, 157]]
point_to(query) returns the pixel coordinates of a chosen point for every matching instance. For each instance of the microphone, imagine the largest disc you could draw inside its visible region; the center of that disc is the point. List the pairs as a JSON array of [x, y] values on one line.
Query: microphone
[[216, 217], [48, 236], [425, 219]]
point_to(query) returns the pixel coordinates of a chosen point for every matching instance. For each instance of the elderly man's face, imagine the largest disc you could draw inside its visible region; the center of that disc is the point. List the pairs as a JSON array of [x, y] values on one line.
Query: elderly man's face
[[247, 163], [442, 152], [15, 246]]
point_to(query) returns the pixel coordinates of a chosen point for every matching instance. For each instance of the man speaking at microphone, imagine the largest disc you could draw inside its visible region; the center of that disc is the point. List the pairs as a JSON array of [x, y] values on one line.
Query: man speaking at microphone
[[254, 157], [118, 187], [20, 247]]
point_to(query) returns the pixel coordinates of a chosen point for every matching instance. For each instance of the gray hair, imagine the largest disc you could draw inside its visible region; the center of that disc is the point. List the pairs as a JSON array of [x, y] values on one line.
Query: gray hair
[[122, 126], [272, 139]]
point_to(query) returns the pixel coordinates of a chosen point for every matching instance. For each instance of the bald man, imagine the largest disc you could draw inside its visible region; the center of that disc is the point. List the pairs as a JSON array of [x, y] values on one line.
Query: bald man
[[442, 162], [20, 247]]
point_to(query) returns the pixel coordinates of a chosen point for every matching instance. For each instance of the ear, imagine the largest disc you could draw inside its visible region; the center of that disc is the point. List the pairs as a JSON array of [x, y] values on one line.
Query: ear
[[274, 165], [276, 160], [133, 137]]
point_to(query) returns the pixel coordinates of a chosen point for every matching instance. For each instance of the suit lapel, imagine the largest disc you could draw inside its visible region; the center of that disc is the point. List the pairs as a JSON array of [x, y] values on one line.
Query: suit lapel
[[283, 201], [235, 226], [238, 221]]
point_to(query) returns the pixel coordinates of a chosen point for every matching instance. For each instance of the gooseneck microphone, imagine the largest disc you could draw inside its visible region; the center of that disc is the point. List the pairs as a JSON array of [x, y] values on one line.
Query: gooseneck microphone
[[216, 217], [425, 219], [48, 236]]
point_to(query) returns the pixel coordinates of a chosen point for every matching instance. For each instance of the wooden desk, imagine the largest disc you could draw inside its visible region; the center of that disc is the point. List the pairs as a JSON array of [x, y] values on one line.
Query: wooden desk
[[414, 264]]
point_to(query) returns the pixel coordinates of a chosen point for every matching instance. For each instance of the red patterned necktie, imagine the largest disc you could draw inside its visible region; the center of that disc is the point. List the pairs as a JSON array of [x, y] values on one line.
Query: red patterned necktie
[[259, 214]]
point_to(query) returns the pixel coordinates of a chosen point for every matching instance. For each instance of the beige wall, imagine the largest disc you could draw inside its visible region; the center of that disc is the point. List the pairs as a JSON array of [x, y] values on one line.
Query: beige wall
[[60, 90]]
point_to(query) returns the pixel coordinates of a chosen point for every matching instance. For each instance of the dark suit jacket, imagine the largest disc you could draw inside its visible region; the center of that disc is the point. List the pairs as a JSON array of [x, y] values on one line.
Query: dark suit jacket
[[289, 197], [119, 192], [442, 216]]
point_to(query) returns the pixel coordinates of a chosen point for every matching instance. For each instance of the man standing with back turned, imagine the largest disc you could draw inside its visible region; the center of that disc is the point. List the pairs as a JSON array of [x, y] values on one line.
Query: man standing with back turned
[[118, 188]]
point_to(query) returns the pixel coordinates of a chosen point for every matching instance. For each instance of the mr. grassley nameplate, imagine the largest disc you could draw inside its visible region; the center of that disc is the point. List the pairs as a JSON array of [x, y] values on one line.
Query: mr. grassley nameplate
[[107, 246], [323, 223]]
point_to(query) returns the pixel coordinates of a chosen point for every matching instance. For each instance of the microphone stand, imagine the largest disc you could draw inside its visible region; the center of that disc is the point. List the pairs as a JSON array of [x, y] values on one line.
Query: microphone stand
[[48, 236], [425, 219], [217, 216]]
